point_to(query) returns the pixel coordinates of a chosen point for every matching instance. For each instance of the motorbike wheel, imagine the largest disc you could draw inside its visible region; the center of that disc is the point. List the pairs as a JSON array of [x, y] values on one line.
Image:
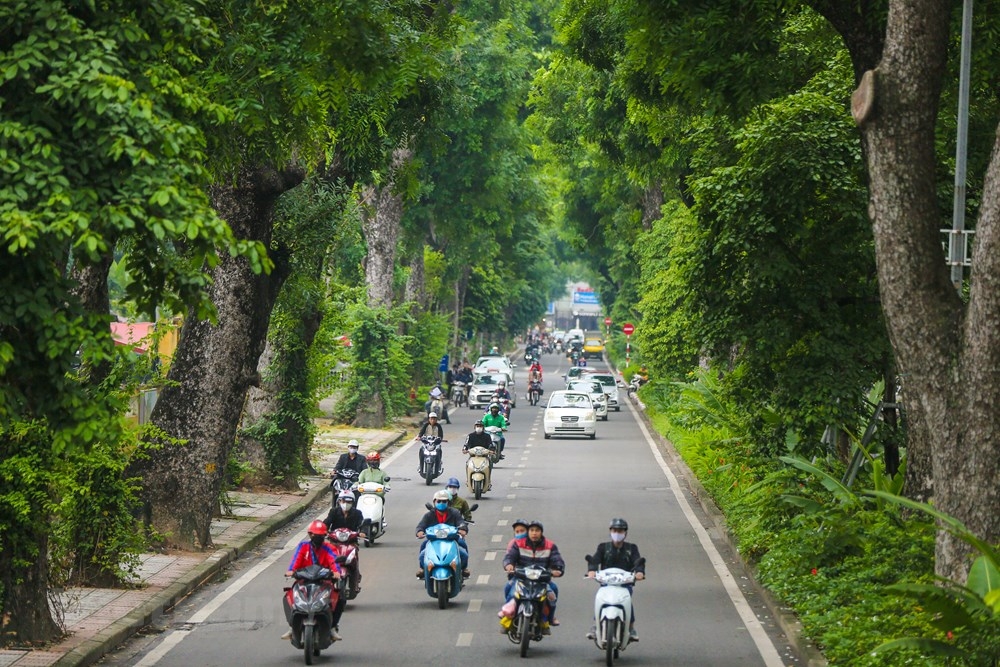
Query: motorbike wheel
[[611, 641], [428, 475], [478, 489], [524, 628], [308, 641], [442, 591]]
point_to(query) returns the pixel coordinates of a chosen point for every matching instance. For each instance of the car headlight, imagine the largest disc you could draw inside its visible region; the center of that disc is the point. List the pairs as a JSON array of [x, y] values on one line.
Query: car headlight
[[590, 416]]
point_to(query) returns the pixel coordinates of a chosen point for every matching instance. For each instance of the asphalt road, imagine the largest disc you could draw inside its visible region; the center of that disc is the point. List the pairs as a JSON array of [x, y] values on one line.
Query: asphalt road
[[691, 610]]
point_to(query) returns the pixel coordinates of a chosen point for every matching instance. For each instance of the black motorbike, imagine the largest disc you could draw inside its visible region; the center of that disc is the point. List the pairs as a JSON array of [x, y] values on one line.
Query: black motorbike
[[531, 589], [430, 462], [344, 480]]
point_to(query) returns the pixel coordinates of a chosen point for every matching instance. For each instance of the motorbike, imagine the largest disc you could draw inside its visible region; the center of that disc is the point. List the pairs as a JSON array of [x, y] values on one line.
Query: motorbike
[[371, 502], [531, 597], [613, 611], [308, 604], [430, 467], [345, 544], [344, 480], [478, 471], [504, 404], [496, 435], [634, 384], [436, 405], [458, 393], [534, 392], [442, 563]]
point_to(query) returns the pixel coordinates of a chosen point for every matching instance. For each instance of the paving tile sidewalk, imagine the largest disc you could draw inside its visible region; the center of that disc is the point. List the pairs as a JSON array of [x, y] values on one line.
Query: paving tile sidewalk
[[99, 619]]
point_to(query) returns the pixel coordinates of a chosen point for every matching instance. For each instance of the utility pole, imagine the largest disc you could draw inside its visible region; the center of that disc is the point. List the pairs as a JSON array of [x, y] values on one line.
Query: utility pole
[[958, 244]]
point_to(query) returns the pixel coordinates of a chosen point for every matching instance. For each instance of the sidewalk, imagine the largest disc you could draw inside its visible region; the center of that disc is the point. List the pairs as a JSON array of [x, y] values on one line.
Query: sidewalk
[[99, 619]]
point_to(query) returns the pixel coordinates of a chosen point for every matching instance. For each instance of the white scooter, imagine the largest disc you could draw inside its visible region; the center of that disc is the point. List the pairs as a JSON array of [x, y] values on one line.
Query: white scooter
[[496, 435], [371, 502], [613, 611], [477, 471]]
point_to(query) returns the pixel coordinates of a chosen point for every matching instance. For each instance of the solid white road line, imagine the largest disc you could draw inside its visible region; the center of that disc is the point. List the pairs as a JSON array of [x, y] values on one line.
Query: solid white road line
[[764, 645]]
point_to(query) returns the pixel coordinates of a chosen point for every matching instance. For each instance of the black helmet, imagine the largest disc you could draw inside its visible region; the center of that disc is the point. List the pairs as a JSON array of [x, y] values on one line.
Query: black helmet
[[479, 422], [621, 524], [535, 523]]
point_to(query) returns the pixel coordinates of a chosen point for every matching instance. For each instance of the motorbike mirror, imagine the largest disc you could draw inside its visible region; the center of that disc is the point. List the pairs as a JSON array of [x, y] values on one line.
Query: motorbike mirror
[[474, 507], [387, 478], [341, 559], [428, 506], [641, 561]]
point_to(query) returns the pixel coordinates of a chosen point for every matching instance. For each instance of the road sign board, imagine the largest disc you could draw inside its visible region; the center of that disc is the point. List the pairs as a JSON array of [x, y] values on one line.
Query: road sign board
[[443, 366], [607, 321], [628, 329]]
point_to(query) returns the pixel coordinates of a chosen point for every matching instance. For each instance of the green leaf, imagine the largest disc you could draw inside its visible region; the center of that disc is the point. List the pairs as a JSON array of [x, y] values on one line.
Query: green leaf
[[926, 646], [984, 577]]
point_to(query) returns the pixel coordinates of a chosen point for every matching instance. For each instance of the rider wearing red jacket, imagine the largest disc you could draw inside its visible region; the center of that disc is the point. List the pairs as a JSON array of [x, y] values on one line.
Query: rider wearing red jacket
[[315, 551]]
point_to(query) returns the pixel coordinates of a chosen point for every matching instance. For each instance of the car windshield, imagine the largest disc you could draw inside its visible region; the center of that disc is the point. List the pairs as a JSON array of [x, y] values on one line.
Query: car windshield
[[569, 401], [490, 379], [593, 342], [607, 380], [590, 387]]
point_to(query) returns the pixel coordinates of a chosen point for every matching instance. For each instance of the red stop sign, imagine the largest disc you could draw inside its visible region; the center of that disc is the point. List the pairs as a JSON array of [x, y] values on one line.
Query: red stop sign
[[607, 321], [628, 329]]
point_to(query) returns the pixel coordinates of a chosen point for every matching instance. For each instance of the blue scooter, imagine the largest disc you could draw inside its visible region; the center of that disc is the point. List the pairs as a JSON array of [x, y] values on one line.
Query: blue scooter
[[442, 563]]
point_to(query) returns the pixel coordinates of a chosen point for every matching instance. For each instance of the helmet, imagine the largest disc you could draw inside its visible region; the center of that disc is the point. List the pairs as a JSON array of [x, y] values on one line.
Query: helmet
[[479, 422], [453, 481], [442, 495], [535, 523], [494, 406], [518, 522], [432, 415], [317, 527], [346, 495], [502, 383], [373, 457], [620, 524], [353, 443]]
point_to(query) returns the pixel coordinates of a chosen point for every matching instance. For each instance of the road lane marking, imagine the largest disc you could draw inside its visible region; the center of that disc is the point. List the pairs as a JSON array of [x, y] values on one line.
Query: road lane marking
[[464, 639], [507, 508], [474, 606], [502, 522], [482, 580], [497, 538], [519, 472], [200, 616], [514, 485], [753, 625], [511, 496], [520, 465], [490, 555]]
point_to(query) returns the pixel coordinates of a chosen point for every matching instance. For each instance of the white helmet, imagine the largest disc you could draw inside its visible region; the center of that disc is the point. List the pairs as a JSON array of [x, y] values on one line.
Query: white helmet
[[432, 414], [353, 443], [442, 495]]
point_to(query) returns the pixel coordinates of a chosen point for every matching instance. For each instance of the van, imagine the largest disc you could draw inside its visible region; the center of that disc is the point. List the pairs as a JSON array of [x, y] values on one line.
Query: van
[[576, 334]]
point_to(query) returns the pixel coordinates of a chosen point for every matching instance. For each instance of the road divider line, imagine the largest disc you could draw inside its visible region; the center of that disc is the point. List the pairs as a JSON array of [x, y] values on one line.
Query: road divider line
[[483, 579], [474, 606], [496, 538], [513, 485], [511, 496], [464, 639], [502, 522], [507, 508], [753, 625], [490, 555]]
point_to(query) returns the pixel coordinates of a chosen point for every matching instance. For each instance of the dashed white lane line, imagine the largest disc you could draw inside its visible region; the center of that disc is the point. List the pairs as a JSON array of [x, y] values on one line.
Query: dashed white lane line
[[474, 606], [514, 485], [482, 580], [490, 555], [496, 538], [520, 465], [502, 522], [519, 472], [464, 639], [507, 508], [511, 496]]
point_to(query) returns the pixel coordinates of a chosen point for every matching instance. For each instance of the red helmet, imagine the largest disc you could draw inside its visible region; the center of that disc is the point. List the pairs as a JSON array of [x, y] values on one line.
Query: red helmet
[[373, 457], [317, 527]]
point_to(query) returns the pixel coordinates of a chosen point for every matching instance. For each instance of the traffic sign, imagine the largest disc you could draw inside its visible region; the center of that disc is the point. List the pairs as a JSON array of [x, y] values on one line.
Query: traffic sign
[[443, 366], [628, 329], [607, 321]]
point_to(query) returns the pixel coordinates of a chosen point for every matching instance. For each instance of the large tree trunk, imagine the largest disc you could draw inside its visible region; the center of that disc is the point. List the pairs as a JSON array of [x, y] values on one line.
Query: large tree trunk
[[26, 612], [948, 353], [416, 287], [382, 210], [214, 366]]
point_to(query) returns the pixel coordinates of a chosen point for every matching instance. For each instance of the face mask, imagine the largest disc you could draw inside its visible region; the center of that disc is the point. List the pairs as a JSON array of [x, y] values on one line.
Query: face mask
[[352, 452], [441, 506], [479, 429], [518, 536], [345, 506], [617, 537], [317, 540], [452, 491]]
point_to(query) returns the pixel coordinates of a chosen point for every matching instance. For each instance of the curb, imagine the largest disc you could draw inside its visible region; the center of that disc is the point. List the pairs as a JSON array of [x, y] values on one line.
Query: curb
[[89, 652], [786, 620]]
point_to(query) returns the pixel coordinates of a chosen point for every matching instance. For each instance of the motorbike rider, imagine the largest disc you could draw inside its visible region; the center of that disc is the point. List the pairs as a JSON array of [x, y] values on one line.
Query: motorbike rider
[[621, 554], [457, 501], [315, 551], [349, 461], [535, 549], [479, 438], [520, 527], [344, 515], [436, 394], [535, 367], [494, 418], [433, 428], [373, 473], [442, 513]]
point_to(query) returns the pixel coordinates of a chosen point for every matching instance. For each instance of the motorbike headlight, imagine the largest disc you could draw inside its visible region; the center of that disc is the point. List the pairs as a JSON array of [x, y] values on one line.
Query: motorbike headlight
[[441, 533], [533, 575]]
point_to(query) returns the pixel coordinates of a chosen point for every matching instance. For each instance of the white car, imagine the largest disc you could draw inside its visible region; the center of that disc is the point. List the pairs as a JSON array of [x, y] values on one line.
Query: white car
[[597, 395], [610, 386], [570, 413], [483, 387], [493, 363]]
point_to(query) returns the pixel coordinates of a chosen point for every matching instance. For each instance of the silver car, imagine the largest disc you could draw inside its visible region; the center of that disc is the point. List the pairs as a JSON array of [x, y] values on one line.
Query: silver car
[[483, 387], [596, 391], [610, 387]]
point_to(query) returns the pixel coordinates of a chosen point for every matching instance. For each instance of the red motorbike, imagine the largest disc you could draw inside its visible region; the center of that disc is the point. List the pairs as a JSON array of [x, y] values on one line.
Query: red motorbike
[[345, 545]]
